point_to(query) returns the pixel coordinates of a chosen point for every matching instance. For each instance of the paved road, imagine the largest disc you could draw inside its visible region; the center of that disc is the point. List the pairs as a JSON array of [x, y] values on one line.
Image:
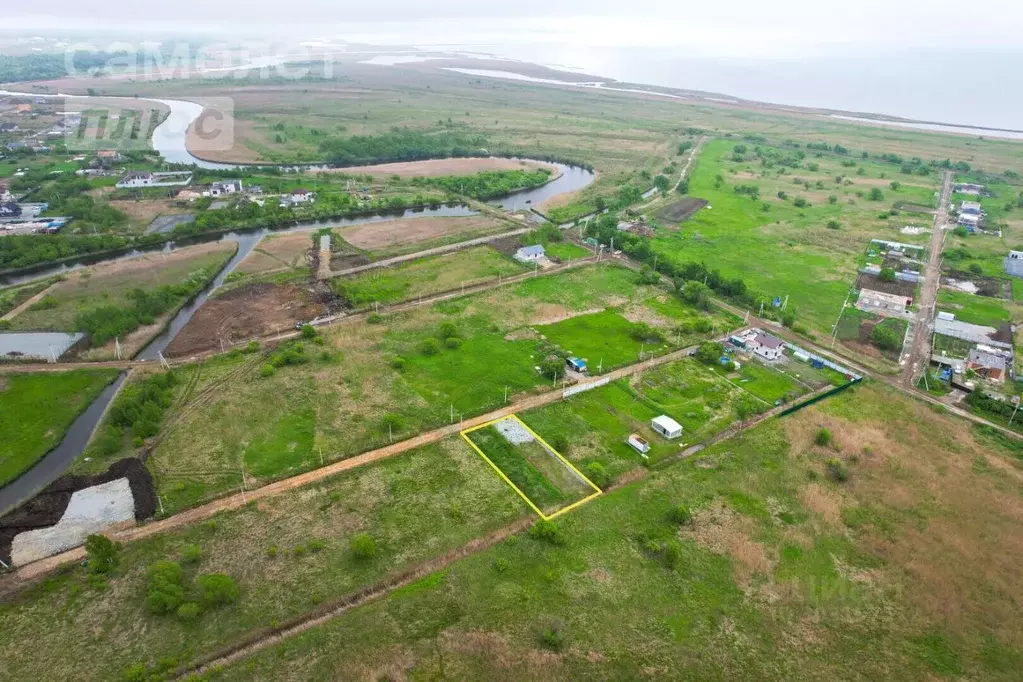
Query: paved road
[[919, 352]]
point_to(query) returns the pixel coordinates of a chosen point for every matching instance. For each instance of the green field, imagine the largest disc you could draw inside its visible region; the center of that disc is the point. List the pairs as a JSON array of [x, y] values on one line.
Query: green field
[[37, 410], [605, 340], [766, 383], [522, 469], [974, 309], [772, 551], [426, 276], [566, 251]]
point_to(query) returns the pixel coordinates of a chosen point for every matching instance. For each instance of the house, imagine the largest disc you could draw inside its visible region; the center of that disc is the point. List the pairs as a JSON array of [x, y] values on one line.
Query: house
[[300, 196], [111, 155], [766, 346], [136, 179], [666, 426], [970, 208], [985, 363], [530, 254], [219, 189], [23, 108], [969, 188], [9, 209], [576, 364], [1013, 264], [882, 301], [255, 189], [8, 127], [969, 220]]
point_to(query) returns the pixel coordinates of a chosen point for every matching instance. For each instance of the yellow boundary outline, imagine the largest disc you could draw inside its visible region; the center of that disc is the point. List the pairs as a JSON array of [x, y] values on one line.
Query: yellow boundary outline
[[578, 503]]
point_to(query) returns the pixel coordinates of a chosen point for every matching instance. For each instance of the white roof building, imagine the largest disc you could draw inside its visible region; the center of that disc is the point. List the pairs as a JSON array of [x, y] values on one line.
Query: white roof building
[[666, 426]]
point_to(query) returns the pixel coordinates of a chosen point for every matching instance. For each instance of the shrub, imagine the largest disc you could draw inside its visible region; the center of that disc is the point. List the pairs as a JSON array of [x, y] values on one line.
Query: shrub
[[671, 554], [876, 194], [559, 442], [267, 370], [887, 275], [824, 438], [374, 318], [308, 331], [553, 636], [547, 531], [836, 470], [363, 547], [398, 363], [552, 366], [429, 347], [189, 611], [217, 589], [833, 225], [452, 342], [191, 554], [832, 199], [800, 202], [641, 331], [500, 564], [102, 553], [680, 515], [271, 551], [885, 338], [317, 545], [596, 472], [709, 352], [164, 591], [252, 347], [447, 330]]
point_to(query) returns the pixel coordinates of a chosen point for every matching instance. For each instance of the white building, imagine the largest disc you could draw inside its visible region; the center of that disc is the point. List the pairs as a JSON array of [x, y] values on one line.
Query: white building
[[136, 179], [666, 426], [970, 208], [220, 189], [766, 346], [873, 300], [530, 254], [301, 196]]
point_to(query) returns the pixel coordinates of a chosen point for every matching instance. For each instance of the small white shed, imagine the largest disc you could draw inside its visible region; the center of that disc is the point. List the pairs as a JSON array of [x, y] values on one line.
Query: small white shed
[[666, 426]]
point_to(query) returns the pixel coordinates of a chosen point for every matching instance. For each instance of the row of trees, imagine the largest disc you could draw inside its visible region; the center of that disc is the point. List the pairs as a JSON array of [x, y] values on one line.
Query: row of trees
[[401, 144], [488, 184]]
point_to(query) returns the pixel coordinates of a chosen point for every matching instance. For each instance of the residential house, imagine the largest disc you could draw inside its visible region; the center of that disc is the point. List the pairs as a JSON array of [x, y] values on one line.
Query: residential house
[[970, 208], [223, 188], [23, 108], [530, 254], [301, 196], [111, 155], [666, 426], [969, 188], [136, 179], [971, 221], [766, 346], [1013, 264], [990, 365], [255, 189], [9, 209]]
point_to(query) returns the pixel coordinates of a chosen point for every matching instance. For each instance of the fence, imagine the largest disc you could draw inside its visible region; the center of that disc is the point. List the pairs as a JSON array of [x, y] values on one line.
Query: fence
[[587, 386]]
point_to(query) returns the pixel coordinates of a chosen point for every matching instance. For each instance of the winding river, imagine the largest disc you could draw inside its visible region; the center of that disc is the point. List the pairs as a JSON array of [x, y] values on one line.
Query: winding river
[[169, 139]]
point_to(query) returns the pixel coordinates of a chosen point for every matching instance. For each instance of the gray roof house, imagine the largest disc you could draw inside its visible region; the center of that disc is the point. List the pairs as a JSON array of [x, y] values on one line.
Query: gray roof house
[[529, 254], [1013, 264], [971, 207]]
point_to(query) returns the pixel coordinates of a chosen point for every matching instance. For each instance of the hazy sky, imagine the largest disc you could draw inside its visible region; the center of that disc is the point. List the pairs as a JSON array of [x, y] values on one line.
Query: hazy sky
[[746, 28]]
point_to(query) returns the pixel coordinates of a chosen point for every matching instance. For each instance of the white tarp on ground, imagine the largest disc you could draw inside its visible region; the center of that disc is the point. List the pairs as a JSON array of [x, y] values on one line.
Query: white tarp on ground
[[513, 431], [91, 510], [41, 345]]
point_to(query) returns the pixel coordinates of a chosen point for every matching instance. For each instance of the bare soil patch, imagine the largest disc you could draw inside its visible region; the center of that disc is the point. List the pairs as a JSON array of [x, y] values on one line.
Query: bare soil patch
[[437, 167], [681, 210], [277, 252], [371, 236], [865, 280], [245, 313]]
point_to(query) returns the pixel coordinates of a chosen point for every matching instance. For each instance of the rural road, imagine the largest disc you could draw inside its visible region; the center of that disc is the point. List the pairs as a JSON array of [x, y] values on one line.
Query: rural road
[[918, 357], [11, 314], [685, 171]]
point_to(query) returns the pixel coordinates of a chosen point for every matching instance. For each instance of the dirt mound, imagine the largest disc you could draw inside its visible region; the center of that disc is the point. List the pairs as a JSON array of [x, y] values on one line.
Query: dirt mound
[[46, 508], [248, 312], [680, 210]]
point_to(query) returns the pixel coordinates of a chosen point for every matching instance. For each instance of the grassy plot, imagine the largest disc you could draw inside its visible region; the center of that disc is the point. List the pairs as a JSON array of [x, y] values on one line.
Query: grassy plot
[[426, 276], [972, 308], [289, 554], [37, 409], [766, 383], [780, 570], [12, 297], [566, 251], [605, 339]]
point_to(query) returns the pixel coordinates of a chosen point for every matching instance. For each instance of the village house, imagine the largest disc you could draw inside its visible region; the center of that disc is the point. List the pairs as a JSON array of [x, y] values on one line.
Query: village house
[[9, 209], [1013, 264], [766, 346], [111, 155], [530, 254], [223, 188], [136, 179], [969, 188], [301, 196], [987, 363], [970, 208], [880, 301], [9, 127], [971, 221]]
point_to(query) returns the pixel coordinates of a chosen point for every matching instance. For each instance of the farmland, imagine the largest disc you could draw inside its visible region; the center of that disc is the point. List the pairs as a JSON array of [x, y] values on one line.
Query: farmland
[[38, 409]]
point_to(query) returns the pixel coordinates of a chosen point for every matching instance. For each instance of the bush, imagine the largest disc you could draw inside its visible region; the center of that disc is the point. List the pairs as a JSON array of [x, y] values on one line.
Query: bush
[[363, 547], [553, 636], [547, 531], [217, 589], [885, 338], [267, 370], [191, 554], [189, 611], [448, 330], [876, 194], [887, 275], [800, 202], [374, 318], [308, 331], [164, 591], [832, 199], [102, 553], [252, 347], [596, 472], [833, 225], [641, 331], [452, 342], [500, 564], [710, 352], [836, 470], [680, 515], [824, 438], [398, 363], [429, 347]]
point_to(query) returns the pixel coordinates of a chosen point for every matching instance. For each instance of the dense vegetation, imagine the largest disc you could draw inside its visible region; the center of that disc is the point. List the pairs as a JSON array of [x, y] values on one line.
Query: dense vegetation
[[401, 145], [488, 184], [32, 67], [31, 249]]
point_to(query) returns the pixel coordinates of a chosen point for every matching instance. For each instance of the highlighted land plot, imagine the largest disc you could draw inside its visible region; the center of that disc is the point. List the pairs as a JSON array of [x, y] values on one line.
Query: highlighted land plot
[[548, 482]]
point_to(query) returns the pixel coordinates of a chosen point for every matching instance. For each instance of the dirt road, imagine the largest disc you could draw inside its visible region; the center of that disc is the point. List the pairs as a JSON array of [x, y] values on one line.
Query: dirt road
[[918, 354], [685, 171], [11, 314]]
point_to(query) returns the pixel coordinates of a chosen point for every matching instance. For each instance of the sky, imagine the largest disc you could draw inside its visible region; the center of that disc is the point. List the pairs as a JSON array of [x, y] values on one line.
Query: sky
[[928, 59]]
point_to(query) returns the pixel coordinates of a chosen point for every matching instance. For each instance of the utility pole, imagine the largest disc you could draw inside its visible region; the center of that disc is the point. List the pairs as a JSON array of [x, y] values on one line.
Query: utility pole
[[163, 360], [244, 501], [117, 347], [600, 365], [390, 436], [506, 394], [1014, 413], [451, 417], [642, 346], [786, 303], [221, 348], [320, 449]]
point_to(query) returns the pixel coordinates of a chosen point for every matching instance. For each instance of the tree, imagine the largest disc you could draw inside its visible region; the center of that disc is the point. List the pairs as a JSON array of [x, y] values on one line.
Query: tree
[[709, 352], [895, 185], [976, 269], [887, 275], [662, 183], [683, 186], [164, 591], [552, 366], [876, 194], [102, 553], [696, 294]]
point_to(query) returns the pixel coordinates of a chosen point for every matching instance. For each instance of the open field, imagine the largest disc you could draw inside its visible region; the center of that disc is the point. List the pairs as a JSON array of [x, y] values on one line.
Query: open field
[[395, 233], [605, 339], [369, 381], [972, 308], [439, 167], [289, 554], [38, 409], [110, 284], [798, 254], [783, 569], [278, 253], [425, 276]]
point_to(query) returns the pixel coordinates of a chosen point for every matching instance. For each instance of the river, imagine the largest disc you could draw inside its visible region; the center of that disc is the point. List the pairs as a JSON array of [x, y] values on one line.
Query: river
[[169, 139]]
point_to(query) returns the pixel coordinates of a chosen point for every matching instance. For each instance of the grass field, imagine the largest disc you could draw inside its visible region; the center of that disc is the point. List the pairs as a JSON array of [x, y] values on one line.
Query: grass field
[[766, 383], [783, 570], [381, 380], [605, 340], [289, 554], [972, 308], [38, 409], [566, 251], [109, 284], [12, 297], [426, 276]]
